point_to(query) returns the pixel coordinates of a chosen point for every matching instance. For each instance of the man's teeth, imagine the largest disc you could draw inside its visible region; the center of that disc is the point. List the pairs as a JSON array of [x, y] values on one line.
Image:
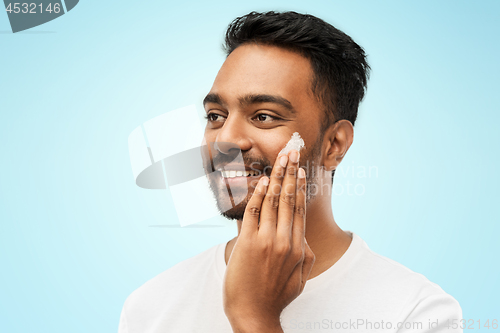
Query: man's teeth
[[233, 173]]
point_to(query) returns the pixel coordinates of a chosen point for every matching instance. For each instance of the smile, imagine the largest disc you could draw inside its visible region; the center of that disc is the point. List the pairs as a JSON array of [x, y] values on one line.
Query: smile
[[233, 173]]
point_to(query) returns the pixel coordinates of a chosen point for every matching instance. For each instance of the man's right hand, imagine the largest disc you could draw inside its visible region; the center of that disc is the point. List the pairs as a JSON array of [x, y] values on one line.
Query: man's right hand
[[270, 261]]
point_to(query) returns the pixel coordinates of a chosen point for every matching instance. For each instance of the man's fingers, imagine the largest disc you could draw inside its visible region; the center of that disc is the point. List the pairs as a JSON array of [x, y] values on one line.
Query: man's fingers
[[301, 270], [253, 209], [299, 217], [307, 265], [288, 199], [269, 214]]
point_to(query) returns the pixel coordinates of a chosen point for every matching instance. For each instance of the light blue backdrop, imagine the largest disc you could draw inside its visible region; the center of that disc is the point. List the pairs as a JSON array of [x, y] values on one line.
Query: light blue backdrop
[[76, 236]]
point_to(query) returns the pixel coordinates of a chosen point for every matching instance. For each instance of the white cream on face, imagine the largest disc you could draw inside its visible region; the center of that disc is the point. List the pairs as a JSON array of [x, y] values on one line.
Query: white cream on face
[[295, 142]]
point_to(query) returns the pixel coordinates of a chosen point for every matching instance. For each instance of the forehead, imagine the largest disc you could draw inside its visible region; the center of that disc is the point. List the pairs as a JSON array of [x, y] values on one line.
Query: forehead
[[264, 69]]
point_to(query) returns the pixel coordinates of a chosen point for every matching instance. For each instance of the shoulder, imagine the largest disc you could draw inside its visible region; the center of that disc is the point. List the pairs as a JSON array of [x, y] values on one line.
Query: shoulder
[[162, 296], [381, 270], [183, 273], [421, 303], [397, 286]]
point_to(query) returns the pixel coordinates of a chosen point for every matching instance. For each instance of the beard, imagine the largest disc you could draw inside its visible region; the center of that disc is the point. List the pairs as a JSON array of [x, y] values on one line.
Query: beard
[[238, 210], [232, 201]]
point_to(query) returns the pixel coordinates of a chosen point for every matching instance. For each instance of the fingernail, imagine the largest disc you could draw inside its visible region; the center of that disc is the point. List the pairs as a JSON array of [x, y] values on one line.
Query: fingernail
[[294, 156], [265, 181], [302, 173], [283, 160]]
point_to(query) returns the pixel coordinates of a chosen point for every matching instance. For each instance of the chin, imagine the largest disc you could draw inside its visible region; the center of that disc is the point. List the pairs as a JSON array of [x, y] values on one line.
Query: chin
[[225, 199], [235, 213]]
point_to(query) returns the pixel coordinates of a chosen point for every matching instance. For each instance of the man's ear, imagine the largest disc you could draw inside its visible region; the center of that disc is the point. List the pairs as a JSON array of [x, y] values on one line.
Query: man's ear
[[336, 142]]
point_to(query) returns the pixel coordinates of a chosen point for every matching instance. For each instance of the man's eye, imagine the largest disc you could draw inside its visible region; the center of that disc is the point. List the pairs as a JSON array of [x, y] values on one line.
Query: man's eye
[[213, 117], [265, 118]]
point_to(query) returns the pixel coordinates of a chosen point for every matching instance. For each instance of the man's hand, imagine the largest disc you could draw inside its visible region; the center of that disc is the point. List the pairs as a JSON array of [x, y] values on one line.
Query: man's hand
[[270, 261]]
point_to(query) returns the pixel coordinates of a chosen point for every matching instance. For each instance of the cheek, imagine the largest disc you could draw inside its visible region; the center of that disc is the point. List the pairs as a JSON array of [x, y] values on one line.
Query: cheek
[[209, 135], [271, 145], [207, 146]]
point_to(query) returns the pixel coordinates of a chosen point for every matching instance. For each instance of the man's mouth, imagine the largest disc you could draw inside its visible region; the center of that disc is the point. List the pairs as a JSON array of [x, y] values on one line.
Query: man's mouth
[[239, 176], [239, 173]]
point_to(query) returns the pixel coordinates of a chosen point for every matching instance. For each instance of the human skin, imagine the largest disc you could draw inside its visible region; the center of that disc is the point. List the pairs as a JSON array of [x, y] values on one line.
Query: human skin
[[271, 70], [273, 232]]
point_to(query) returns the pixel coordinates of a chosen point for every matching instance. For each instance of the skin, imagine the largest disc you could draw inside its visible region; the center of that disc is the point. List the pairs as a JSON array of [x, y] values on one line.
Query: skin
[[303, 245]]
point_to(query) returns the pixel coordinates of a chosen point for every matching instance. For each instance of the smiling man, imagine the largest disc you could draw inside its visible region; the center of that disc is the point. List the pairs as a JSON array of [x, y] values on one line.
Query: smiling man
[[291, 268]]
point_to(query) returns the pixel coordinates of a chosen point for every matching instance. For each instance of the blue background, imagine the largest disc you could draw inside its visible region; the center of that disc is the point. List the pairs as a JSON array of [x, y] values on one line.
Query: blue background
[[77, 235]]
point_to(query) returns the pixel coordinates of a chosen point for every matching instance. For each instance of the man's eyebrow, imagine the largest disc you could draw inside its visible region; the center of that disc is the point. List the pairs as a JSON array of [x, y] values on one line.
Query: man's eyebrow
[[213, 98], [252, 99], [263, 98]]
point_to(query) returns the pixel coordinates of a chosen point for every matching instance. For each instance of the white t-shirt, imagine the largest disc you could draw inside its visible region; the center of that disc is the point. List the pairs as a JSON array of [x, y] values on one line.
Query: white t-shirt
[[361, 292]]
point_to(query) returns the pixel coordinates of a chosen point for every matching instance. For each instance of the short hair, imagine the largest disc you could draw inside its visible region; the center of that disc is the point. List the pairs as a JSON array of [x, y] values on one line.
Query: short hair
[[340, 68]]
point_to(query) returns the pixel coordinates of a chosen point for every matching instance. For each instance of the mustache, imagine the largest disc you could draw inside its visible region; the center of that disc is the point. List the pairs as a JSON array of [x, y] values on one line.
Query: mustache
[[259, 163]]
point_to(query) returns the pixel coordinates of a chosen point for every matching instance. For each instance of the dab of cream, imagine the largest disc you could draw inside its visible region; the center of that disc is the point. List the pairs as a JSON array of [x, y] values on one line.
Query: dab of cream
[[295, 142]]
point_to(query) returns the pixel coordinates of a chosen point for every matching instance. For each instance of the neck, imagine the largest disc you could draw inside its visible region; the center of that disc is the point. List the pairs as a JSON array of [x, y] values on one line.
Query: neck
[[324, 236]]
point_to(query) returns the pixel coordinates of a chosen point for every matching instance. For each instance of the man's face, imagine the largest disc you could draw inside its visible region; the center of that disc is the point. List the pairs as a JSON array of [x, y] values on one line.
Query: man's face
[[260, 97]]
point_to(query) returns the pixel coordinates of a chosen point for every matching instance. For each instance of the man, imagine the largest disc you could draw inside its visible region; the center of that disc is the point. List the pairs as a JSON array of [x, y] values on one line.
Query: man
[[291, 268]]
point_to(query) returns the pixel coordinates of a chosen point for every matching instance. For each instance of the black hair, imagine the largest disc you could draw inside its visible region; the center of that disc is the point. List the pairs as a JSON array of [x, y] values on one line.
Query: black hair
[[339, 64]]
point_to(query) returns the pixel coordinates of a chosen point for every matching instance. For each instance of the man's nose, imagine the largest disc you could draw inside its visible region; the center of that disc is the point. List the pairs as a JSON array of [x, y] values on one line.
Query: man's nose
[[232, 136]]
